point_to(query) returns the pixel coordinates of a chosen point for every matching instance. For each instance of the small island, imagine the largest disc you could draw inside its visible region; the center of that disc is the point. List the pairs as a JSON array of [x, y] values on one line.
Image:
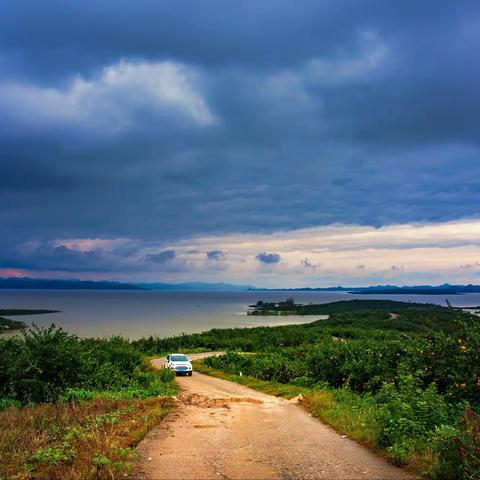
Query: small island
[[7, 324]]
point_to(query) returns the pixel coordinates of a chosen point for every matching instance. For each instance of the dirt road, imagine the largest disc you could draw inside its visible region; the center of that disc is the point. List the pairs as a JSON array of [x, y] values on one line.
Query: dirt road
[[222, 430]]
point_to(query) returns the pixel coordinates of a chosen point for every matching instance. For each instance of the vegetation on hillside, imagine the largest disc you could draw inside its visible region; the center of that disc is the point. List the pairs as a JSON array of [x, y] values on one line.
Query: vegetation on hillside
[[400, 377], [372, 323]]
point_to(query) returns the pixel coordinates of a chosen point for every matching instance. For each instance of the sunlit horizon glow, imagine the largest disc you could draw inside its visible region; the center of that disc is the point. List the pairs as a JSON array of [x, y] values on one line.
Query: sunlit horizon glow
[[406, 254]]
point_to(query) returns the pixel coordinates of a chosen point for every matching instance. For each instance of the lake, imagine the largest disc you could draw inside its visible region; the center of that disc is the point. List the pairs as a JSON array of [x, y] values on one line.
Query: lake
[[134, 314]]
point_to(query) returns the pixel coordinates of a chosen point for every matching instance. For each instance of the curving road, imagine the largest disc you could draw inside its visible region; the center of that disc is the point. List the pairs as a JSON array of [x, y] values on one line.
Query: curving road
[[222, 430]]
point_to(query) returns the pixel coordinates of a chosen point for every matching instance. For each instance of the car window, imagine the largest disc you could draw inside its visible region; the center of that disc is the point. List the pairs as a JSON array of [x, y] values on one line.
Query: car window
[[179, 358]]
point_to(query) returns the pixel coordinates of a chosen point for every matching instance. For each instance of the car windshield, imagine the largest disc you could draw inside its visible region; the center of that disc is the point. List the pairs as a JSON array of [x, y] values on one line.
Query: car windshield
[[179, 358]]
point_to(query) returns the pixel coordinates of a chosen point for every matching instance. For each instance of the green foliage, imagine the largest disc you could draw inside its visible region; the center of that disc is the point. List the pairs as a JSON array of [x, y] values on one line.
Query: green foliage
[[48, 364], [407, 415], [271, 367], [166, 375], [53, 456], [365, 359], [40, 366], [468, 445]]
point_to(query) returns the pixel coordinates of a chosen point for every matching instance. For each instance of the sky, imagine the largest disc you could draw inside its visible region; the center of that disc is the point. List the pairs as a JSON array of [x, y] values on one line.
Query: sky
[[273, 143]]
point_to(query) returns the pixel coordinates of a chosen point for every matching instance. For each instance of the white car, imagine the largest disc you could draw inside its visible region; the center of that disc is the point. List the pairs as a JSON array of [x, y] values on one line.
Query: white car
[[179, 363]]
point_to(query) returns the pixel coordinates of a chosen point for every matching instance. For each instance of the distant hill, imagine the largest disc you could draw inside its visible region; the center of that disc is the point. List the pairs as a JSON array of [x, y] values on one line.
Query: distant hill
[[55, 284], [445, 289], [196, 287], [73, 284], [305, 289]]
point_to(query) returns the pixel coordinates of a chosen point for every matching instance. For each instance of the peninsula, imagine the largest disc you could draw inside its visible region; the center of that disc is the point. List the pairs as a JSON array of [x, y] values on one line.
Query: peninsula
[[8, 324]]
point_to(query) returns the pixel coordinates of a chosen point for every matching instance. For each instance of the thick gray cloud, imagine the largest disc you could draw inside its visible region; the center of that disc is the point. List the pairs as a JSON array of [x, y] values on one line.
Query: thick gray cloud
[[162, 121]]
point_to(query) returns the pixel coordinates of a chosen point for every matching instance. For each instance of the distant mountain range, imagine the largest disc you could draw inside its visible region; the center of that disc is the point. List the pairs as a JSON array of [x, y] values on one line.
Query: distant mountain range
[[418, 290], [444, 289], [73, 284], [55, 284], [195, 287]]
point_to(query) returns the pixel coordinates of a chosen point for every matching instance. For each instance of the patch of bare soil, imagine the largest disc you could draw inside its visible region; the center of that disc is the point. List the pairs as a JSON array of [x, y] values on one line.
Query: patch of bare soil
[[206, 402]]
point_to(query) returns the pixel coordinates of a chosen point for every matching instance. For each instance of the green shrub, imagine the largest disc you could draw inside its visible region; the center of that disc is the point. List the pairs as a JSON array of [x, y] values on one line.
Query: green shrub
[[408, 416], [468, 445], [53, 456], [48, 364], [44, 364]]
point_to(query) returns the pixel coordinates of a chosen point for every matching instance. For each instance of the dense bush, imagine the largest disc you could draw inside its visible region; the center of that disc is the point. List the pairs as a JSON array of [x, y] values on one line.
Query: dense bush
[[40, 366], [408, 415], [468, 445], [273, 367], [452, 361], [48, 363]]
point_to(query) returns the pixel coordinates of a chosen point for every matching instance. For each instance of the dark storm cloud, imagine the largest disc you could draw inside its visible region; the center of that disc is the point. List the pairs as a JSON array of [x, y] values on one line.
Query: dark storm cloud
[[268, 257], [54, 39], [159, 121], [58, 258]]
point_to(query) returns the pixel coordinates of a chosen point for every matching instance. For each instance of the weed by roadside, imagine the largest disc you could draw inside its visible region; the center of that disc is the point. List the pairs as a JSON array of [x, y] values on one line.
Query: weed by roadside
[[92, 439]]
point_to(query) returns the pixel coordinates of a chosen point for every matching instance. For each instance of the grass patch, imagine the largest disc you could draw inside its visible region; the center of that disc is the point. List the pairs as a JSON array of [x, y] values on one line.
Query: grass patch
[[93, 439], [349, 413]]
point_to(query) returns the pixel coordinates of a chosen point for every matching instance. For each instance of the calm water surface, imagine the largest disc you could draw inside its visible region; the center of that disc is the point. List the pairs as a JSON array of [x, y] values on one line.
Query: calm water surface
[[141, 313]]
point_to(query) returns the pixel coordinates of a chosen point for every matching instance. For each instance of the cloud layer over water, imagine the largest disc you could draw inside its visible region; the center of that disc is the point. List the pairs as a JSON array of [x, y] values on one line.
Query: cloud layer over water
[[321, 256]]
